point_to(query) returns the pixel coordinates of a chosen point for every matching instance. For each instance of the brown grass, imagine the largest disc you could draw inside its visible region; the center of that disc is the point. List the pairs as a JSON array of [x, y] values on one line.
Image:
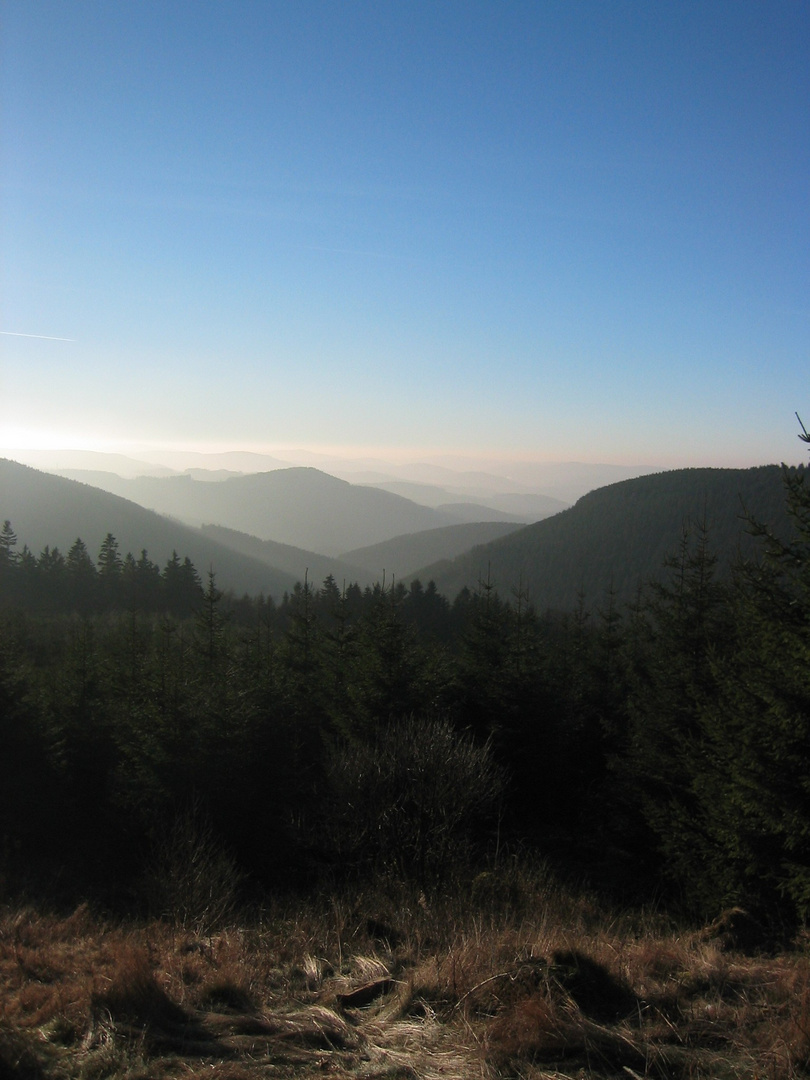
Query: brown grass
[[393, 986]]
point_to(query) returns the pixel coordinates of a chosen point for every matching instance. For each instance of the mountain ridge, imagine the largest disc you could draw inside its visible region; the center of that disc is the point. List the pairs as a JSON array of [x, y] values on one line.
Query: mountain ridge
[[299, 506], [45, 509], [619, 536], [402, 555], [613, 537]]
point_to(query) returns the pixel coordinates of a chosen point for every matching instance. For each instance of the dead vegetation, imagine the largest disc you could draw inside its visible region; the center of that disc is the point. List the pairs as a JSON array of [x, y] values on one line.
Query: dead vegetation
[[394, 986]]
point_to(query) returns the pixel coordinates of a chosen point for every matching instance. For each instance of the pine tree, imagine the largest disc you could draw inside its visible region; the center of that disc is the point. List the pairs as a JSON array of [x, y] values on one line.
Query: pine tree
[[82, 579], [390, 678], [8, 541], [182, 588], [51, 579], [31, 806], [110, 566], [673, 683], [337, 652], [9, 564], [757, 796], [140, 583], [483, 667], [212, 640]]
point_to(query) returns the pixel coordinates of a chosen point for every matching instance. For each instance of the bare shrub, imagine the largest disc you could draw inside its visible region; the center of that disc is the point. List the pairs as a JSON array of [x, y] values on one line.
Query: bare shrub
[[191, 880], [413, 800]]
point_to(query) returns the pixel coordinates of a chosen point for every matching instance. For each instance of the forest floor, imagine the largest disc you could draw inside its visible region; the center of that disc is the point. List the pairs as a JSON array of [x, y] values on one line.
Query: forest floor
[[388, 985]]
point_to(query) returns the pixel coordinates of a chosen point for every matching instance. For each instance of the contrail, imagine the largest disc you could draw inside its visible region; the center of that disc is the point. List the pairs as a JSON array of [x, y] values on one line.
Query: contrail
[[42, 337]]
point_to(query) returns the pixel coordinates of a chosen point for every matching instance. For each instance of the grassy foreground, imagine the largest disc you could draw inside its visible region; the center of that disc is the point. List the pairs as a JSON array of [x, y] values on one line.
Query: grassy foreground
[[523, 981]]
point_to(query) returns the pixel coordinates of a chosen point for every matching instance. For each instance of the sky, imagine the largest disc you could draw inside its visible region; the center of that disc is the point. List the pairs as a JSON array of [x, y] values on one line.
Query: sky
[[564, 230]]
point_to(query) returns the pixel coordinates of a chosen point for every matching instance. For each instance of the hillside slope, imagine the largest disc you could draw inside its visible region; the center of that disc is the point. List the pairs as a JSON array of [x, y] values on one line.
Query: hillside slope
[[620, 534], [292, 560], [47, 509], [497, 505], [302, 507], [404, 554]]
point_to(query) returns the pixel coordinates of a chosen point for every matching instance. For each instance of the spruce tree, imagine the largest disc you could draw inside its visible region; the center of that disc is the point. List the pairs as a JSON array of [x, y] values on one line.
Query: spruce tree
[[8, 541], [82, 579], [9, 564], [757, 796], [110, 566], [673, 682]]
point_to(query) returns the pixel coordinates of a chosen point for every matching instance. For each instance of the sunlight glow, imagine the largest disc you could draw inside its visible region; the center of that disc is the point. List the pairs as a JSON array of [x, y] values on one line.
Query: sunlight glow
[[25, 438]]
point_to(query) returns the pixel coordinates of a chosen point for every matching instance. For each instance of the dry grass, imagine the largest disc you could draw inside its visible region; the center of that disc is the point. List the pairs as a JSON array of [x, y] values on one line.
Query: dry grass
[[384, 987]]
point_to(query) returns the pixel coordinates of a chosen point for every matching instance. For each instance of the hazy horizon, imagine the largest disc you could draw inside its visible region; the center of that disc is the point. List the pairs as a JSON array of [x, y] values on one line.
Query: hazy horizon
[[180, 455], [458, 234]]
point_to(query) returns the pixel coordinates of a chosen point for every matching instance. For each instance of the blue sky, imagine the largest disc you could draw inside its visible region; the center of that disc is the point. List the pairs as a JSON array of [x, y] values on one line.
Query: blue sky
[[555, 230]]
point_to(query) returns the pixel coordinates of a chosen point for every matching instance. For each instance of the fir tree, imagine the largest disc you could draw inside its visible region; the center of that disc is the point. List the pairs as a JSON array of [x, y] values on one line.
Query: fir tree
[[757, 796], [672, 683], [82, 579], [110, 566]]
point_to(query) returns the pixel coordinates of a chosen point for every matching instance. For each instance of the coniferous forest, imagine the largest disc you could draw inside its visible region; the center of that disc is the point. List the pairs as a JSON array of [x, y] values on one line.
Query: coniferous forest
[[171, 752], [658, 745]]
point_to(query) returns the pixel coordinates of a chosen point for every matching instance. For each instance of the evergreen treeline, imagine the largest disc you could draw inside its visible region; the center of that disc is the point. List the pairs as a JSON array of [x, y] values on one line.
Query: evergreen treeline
[[346, 731], [55, 583], [620, 535]]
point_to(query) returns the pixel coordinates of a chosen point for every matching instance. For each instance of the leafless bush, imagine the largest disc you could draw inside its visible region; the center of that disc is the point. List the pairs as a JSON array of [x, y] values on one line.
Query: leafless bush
[[191, 880], [413, 800]]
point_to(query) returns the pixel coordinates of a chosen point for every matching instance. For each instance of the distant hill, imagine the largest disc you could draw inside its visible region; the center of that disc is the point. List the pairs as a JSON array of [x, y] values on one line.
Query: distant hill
[[63, 461], [566, 481], [471, 513], [291, 560], [570, 480], [47, 509], [403, 555], [528, 505], [424, 482], [622, 534], [390, 559], [302, 507], [525, 506]]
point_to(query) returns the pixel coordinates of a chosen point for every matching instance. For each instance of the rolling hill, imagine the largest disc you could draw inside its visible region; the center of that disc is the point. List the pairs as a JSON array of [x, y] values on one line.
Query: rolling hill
[[401, 556], [302, 507], [47, 509], [291, 560], [520, 506], [620, 535]]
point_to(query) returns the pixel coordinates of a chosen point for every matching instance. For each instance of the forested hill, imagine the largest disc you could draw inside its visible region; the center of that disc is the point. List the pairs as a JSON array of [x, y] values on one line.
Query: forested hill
[[49, 510], [399, 557], [295, 561], [620, 535], [302, 507]]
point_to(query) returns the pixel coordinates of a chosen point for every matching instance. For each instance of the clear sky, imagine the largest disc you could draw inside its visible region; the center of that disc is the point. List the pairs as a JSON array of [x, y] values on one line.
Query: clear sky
[[564, 229]]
